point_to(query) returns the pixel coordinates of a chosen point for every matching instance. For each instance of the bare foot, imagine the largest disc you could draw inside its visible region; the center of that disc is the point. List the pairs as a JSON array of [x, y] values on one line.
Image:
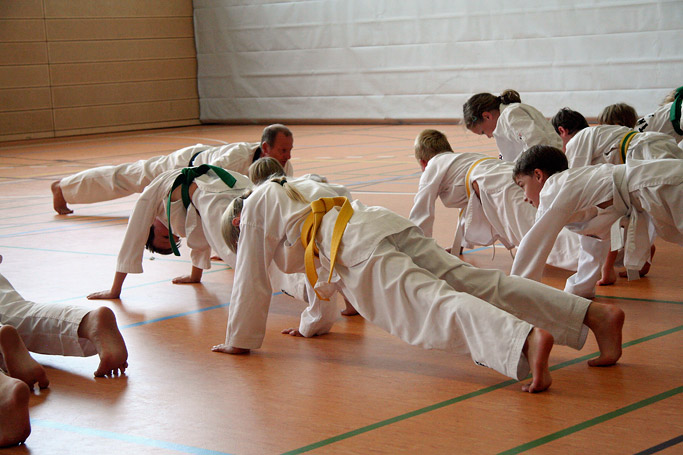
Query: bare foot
[[99, 326], [15, 425], [537, 349], [349, 310], [58, 201], [646, 267], [606, 322], [20, 364], [609, 276], [225, 349]]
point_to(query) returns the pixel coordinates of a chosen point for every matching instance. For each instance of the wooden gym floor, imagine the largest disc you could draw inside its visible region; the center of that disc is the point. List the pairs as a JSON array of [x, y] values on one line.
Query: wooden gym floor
[[355, 390]]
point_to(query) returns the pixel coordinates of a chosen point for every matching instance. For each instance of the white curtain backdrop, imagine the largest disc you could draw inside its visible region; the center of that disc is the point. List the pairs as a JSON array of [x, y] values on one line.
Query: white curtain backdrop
[[421, 59]]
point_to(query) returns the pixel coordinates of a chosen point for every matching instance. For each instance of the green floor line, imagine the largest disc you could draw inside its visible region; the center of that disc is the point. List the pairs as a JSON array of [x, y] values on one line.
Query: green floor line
[[461, 398], [638, 300], [589, 423]]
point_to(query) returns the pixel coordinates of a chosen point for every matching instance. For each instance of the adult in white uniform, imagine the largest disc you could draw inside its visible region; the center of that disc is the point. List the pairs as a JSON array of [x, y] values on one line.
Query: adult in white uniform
[[666, 118], [47, 329], [597, 201], [493, 205], [111, 182], [514, 125], [198, 222], [400, 280]]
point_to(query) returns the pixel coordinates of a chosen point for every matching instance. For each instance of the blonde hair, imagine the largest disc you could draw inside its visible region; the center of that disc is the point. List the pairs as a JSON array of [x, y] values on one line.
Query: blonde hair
[[265, 168], [618, 114], [231, 233], [430, 143]]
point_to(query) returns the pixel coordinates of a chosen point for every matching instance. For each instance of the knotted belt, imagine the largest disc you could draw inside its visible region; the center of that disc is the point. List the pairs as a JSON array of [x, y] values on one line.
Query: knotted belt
[[675, 113], [310, 229], [623, 145], [635, 254], [184, 180], [460, 229]]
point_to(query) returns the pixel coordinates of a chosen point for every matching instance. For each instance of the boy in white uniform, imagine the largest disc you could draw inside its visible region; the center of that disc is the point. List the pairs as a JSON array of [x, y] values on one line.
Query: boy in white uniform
[[610, 143], [514, 125], [198, 221], [666, 118], [493, 206], [597, 201], [400, 280], [111, 182], [47, 329]]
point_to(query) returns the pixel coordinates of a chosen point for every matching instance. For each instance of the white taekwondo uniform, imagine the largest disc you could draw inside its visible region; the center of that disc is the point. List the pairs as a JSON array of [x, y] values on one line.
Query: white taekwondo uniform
[[44, 328], [521, 126], [200, 223], [601, 144], [499, 213], [642, 192], [396, 278], [105, 183]]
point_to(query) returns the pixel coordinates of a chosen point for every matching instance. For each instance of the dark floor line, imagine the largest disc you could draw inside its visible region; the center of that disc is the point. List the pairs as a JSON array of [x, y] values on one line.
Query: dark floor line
[[662, 446], [592, 422]]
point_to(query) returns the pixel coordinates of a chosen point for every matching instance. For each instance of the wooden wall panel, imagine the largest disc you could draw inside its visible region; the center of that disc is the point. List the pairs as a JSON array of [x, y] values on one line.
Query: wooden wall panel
[[120, 28], [107, 73], [21, 9], [23, 123], [25, 99], [18, 30], [117, 8], [121, 50], [23, 54], [121, 93], [12, 77], [85, 66]]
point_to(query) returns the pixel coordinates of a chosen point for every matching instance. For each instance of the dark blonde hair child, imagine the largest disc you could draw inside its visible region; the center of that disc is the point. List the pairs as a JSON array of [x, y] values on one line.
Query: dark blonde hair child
[[618, 114]]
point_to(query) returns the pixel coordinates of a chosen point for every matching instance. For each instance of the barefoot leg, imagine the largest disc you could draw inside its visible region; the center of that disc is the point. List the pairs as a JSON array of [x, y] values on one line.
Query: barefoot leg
[[14, 420], [20, 364], [606, 322], [537, 351], [646, 267], [58, 201], [349, 310], [609, 275], [99, 326]]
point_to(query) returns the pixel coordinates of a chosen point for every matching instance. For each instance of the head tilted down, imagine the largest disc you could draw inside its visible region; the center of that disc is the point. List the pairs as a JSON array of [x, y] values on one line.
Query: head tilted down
[[534, 166]]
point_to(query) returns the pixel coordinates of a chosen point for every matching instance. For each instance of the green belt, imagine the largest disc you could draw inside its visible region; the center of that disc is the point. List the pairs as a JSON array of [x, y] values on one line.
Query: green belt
[[625, 142], [184, 180], [675, 113]]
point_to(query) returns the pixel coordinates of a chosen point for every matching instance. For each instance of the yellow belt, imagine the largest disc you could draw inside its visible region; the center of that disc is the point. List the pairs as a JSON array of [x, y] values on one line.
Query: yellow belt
[[456, 248], [310, 229], [625, 142], [469, 173]]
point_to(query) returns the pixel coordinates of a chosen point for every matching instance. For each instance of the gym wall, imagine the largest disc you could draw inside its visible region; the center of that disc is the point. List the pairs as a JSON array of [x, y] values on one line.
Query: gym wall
[[71, 67]]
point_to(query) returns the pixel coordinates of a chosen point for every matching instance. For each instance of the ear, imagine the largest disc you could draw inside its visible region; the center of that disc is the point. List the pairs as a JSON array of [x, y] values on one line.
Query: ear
[[236, 221], [540, 176], [423, 164], [486, 115], [265, 149]]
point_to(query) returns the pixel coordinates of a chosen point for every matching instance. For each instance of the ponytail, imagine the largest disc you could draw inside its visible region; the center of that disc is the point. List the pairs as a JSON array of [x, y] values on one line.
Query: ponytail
[[510, 96]]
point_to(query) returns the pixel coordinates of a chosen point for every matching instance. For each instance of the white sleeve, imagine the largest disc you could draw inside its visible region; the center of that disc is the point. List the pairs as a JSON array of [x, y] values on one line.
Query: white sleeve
[[251, 291], [200, 249], [591, 257], [319, 316], [535, 247], [422, 213], [145, 211]]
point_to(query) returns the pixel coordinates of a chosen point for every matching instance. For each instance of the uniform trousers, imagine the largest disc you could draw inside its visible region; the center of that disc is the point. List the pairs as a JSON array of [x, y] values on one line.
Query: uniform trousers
[[415, 290]]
